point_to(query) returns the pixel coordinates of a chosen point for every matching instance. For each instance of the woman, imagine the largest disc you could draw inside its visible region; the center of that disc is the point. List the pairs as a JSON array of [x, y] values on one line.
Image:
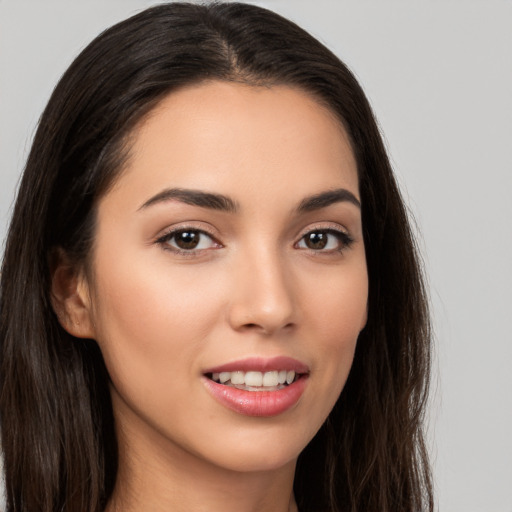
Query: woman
[[210, 292]]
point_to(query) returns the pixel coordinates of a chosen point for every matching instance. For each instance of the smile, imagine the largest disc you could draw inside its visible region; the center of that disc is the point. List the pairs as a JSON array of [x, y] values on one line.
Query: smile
[[258, 387], [256, 381]]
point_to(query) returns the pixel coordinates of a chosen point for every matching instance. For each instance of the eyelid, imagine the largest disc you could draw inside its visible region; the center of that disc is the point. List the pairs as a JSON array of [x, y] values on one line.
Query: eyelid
[[164, 236], [346, 239], [324, 226], [171, 231]]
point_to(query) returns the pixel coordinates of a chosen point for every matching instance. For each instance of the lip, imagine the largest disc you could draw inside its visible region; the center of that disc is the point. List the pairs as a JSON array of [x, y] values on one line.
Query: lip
[[259, 403], [260, 364]]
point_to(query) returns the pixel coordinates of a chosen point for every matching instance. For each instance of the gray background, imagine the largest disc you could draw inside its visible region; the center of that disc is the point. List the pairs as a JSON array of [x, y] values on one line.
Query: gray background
[[439, 76]]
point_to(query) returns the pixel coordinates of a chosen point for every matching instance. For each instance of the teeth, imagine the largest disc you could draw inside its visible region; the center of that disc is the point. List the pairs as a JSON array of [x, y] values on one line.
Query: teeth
[[254, 379], [272, 379], [223, 377], [237, 378]]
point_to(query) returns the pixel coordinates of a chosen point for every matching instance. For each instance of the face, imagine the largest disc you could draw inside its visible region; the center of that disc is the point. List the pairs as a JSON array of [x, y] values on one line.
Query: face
[[229, 282]]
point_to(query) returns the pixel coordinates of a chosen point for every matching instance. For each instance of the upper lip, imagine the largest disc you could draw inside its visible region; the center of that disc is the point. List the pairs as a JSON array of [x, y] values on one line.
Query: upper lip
[[261, 364]]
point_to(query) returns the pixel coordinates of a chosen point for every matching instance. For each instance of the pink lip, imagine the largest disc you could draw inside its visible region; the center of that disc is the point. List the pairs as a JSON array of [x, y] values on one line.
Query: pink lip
[[259, 403], [259, 364]]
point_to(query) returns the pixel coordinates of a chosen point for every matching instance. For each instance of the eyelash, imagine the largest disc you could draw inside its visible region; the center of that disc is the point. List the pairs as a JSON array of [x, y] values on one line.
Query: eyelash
[[165, 239], [344, 240]]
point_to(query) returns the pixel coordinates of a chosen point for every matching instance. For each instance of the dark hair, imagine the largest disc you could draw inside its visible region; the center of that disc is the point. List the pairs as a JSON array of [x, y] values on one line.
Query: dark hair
[[58, 439]]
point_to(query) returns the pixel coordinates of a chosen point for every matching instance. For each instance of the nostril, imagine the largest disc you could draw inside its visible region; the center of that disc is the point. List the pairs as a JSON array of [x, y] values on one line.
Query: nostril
[[265, 328]]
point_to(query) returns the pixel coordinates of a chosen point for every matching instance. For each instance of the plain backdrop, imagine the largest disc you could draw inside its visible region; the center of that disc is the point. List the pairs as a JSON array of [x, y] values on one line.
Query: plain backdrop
[[439, 76]]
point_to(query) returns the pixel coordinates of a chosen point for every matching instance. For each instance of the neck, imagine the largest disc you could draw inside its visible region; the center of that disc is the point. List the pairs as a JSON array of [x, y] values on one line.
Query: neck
[[159, 475], [163, 492]]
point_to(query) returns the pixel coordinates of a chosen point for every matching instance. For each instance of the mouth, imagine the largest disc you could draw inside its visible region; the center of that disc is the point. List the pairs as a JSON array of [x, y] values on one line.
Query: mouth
[[273, 380], [258, 386]]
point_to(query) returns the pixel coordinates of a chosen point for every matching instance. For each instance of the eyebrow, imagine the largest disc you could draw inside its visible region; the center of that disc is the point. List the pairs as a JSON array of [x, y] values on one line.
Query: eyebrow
[[226, 204], [325, 199], [194, 198]]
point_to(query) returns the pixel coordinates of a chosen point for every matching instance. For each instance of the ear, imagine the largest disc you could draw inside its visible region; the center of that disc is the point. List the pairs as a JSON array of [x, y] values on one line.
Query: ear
[[70, 296]]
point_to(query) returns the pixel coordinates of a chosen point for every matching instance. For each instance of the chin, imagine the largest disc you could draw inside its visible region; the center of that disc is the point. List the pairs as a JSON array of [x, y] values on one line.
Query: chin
[[267, 450], [246, 461]]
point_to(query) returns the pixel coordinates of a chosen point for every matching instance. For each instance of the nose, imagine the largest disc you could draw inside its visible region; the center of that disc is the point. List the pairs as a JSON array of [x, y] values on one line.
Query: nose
[[262, 298]]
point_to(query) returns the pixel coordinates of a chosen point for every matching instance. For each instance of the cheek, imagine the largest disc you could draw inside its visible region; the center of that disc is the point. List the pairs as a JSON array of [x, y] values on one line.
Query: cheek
[[338, 305], [153, 325], [337, 313], [150, 318]]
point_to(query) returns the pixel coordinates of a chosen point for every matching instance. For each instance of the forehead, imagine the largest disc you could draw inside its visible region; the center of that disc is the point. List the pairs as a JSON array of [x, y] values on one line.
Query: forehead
[[234, 137]]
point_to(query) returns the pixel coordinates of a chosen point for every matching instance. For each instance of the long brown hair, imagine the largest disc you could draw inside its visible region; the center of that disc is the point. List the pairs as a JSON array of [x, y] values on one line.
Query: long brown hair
[[58, 439]]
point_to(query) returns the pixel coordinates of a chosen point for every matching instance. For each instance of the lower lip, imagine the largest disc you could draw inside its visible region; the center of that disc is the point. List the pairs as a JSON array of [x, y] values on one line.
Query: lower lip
[[257, 403]]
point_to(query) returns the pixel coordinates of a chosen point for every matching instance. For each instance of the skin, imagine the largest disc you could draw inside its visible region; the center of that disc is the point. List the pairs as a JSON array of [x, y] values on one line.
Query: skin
[[253, 288]]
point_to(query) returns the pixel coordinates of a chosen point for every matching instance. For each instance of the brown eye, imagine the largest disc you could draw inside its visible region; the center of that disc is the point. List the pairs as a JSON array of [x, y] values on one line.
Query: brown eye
[[325, 240], [317, 240], [187, 240]]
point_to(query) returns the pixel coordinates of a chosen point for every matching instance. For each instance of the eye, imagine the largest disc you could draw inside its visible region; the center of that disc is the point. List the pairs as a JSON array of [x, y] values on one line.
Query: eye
[[188, 240], [325, 240]]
